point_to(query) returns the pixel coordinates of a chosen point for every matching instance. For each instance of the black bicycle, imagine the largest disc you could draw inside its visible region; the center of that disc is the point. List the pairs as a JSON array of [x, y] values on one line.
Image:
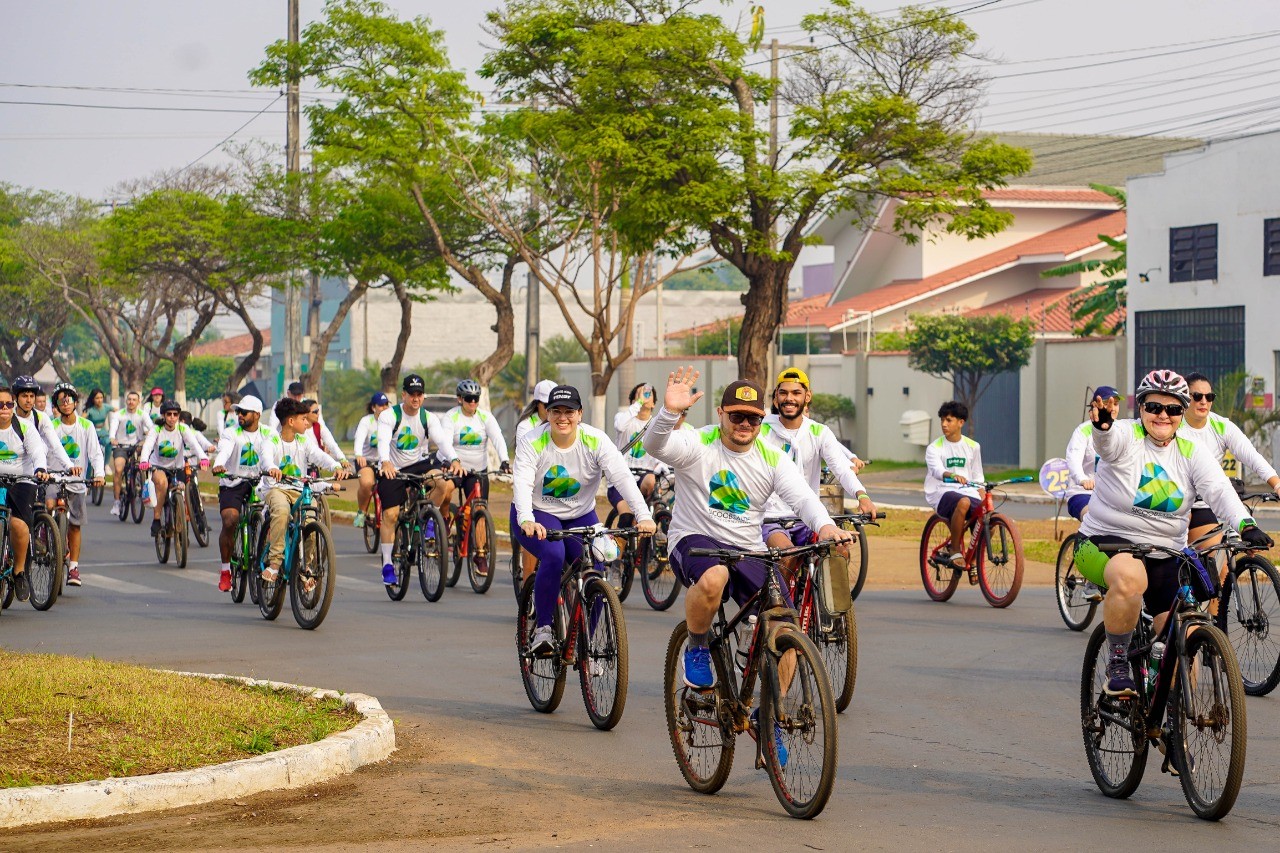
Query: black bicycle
[[591, 634], [1191, 708], [421, 540], [199, 521], [44, 553], [1247, 608], [796, 701]]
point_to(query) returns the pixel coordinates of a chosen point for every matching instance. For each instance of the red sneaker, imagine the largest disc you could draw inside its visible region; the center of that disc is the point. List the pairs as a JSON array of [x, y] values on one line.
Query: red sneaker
[[224, 581]]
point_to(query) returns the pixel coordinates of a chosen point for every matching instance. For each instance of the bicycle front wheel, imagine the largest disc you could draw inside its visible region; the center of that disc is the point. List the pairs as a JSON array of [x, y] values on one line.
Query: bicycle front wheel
[[136, 505], [199, 522], [1210, 728], [44, 567], [701, 739], [1115, 741], [836, 639], [239, 560], [1075, 611], [479, 551], [311, 585], [432, 554], [1000, 562], [1249, 606], [940, 579], [603, 655], [657, 578], [372, 533], [95, 493], [404, 556], [453, 569], [858, 573], [798, 725], [543, 677], [181, 534]]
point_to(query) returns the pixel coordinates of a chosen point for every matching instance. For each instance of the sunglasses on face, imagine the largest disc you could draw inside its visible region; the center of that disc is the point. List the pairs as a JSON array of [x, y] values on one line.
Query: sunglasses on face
[[743, 417], [470, 398], [1197, 396], [7, 405], [1173, 410]]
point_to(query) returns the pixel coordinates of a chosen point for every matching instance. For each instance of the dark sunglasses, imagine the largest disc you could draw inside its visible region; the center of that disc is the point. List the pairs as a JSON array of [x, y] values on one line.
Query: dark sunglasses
[[470, 398], [741, 417], [1173, 410], [8, 405], [1197, 396]]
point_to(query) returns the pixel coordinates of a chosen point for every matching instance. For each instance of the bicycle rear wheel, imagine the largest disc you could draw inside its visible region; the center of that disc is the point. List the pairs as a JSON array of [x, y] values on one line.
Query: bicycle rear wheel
[[517, 564], [404, 556], [1249, 606], [700, 739], [136, 506], [181, 532], [199, 522], [95, 494], [1209, 734], [372, 531], [603, 654], [311, 584], [543, 677], [239, 577], [126, 497], [479, 561], [44, 566], [657, 578], [940, 579], [1069, 588], [1000, 561], [798, 727], [270, 596], [836, 639], [161, 540], [453, 567], [1115, 742], [432, 554]]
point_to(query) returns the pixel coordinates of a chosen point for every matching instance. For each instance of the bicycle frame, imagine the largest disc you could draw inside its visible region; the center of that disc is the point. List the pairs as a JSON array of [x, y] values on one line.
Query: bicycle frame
[[302, 510], [573, 580]]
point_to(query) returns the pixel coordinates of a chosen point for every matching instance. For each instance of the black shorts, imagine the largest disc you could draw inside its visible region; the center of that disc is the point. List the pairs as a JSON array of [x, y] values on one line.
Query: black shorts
[[1162, 576], [392, 491], [122, 452], [233, 497], [21, 501], [1202, 516], [469, 480], [947, 504]]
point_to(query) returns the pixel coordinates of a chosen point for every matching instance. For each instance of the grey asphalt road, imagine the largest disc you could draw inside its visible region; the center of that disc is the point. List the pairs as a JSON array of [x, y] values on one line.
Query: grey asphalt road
[[963, 733]]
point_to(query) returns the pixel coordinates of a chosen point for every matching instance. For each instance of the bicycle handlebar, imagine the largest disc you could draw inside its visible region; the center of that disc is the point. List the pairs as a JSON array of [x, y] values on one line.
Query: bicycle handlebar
[[590, 532], [772, 555]]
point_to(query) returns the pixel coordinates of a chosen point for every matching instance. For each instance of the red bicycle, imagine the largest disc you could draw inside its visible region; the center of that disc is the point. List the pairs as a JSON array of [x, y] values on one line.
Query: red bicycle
[[471, 534], [993, 558], [373, 523]]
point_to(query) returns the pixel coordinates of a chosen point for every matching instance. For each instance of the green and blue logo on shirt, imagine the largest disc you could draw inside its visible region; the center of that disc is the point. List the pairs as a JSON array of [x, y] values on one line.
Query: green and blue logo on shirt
[[289, 468], [557, 483], [168, 450], [637, 449], [130, 427], [249, 456], [1156, 491], [7, 455], [406, 440], [70, 446], [470, 438], [727, 493]]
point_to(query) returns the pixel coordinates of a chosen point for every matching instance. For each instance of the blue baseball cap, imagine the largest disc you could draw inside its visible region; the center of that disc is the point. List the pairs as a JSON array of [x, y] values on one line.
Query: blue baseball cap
[[1106, 392], [379, 399]]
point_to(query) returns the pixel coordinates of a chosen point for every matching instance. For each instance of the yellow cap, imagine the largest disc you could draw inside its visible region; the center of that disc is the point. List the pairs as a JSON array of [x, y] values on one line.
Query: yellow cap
[[793, 374]]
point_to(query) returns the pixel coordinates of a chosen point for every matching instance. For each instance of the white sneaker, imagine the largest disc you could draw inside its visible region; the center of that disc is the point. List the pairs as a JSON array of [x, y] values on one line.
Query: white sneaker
[[544, 641], [115, 509], [1091, 593]]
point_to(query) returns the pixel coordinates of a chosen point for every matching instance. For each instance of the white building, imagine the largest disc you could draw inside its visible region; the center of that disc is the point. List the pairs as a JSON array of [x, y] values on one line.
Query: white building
[[1204, 262]]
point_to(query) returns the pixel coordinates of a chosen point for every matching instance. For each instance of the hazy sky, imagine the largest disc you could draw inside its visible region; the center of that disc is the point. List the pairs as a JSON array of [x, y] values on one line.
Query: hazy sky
[[1182, 67]]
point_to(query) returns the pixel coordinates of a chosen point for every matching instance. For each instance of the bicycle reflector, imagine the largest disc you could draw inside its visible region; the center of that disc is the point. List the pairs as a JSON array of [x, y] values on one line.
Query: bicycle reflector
[[1091, 562]]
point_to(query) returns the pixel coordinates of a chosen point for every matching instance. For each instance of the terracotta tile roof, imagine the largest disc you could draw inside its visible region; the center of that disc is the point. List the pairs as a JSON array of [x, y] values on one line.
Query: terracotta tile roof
[[1063, 241], [239, 345], [1062, 195], [1049, 308]]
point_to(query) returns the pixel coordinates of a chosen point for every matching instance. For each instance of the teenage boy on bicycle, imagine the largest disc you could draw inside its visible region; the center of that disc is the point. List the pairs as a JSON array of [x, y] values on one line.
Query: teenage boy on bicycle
[[246, 450], [953, 462]]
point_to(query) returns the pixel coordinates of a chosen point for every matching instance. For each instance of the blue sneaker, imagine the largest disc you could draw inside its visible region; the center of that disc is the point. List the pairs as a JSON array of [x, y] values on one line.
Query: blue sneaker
[[389, 575], [1120, 680], [698, 673], [779, 748]]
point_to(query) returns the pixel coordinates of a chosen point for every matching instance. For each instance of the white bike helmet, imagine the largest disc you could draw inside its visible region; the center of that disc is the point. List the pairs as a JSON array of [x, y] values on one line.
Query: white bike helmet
[[1163, 382]]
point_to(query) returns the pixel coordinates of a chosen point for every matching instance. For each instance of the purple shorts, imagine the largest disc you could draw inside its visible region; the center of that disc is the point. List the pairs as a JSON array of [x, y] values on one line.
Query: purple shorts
[[947, 504], [799, 533], [1076, 505], [745, 578]]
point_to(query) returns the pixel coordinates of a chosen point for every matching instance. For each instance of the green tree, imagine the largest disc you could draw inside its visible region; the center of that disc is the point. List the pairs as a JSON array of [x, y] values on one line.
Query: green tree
[[561, 350], [1107, 297], [968, 351], [719, 276], [718, 339], [832, 409]]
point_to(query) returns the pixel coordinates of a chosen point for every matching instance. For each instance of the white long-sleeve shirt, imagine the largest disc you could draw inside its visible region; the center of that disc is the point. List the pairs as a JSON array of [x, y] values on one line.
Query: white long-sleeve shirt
[[56, 456], [128, 428], [1082, 459], [523, 427], [472, 434], [1219, 435], [409, 444], [1144, 492], [79, 442], [963, 457], [563, 483], [366, 442], [809, 445], [165, 448], [627, 424], [21, 453], [246, 454], [723, 494]]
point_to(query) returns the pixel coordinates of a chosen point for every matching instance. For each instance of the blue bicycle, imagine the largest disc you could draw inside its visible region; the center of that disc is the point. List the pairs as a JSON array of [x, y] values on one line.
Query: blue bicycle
[[310, 562]]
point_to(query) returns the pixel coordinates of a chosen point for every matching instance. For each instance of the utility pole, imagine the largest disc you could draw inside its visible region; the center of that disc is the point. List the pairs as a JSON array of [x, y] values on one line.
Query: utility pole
[[532, 333], [293, 163], [775, 54]]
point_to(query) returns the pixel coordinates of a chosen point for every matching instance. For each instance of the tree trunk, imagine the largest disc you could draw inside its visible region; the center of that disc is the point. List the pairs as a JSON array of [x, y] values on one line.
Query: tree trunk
[[234, 301], [766, 308], [505, 327], [391, 370], [320, 346]]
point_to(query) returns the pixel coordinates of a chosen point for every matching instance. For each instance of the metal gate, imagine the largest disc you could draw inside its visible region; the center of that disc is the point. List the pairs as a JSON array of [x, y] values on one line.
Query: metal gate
[[997, 420]]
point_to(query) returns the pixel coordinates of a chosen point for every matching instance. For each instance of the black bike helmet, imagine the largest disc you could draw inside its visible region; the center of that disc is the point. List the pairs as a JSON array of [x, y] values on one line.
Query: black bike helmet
[[170, 406], [25, 383]]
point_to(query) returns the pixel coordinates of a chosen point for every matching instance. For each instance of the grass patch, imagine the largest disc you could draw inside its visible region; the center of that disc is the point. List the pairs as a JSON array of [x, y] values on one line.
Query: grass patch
[[890, 465], [132, 721]]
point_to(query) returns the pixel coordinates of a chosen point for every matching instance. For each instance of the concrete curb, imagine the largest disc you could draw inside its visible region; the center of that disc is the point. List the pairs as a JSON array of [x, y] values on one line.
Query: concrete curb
[[371, 740]]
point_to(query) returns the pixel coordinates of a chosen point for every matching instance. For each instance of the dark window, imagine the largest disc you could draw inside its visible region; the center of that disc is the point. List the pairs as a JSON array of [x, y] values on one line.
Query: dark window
[[1271, 247], [1208, 340], [1193, 253]]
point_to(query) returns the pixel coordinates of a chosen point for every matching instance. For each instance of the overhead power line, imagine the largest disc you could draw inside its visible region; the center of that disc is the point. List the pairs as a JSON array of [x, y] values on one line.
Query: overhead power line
[[231, 135]]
